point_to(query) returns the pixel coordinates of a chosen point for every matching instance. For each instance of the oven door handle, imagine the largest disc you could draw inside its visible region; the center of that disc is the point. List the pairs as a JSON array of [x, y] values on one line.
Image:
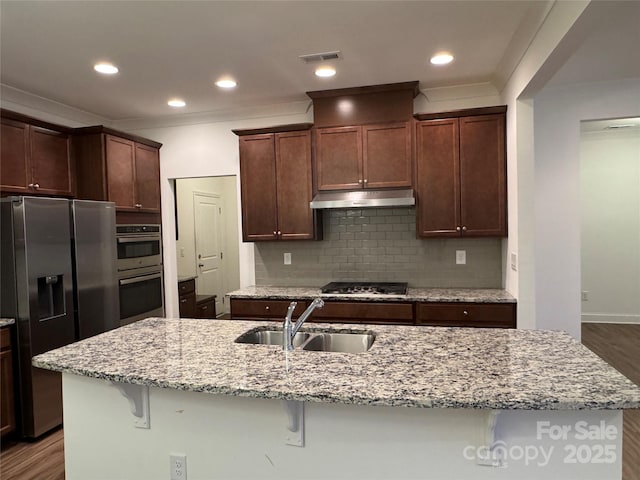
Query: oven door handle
[[143, 278], [141, 238]]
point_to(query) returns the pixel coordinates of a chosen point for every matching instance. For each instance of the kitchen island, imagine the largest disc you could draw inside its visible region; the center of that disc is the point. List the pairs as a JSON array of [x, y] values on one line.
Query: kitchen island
[[475, 397]]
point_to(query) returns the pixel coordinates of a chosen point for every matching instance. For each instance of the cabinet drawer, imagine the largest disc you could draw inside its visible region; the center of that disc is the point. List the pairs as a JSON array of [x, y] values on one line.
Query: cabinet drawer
[[5, 339], [367, 312], [501, 315], [269, 309], [206, 306], [186, 286]]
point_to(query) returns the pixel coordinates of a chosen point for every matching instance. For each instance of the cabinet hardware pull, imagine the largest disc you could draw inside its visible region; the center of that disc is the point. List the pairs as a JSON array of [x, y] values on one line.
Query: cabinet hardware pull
[[279, 232], [201, 265], [267, 307], [275, 233], [36, 185], [204, 308], [138, 205], [464, 229], [359, 180], [465, 312], [457, 229], [184, 300], [31, 185], [365, 180]]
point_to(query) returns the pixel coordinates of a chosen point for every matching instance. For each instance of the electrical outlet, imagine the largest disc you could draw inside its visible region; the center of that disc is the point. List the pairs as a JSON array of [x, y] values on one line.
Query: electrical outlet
[[178, 466], [287, 259], [461, 257], [585, 295]]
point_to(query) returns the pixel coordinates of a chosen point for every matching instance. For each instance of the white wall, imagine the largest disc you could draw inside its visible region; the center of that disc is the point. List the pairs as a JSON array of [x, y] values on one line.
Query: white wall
[[543, 57], [558, 112], [610, 225]]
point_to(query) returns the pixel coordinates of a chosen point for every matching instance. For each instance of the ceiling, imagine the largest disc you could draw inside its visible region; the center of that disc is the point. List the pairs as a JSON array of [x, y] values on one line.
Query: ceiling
[[168, 49]]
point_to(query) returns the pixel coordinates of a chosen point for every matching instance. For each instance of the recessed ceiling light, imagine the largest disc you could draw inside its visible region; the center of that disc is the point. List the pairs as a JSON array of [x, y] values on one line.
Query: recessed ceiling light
[[106, 68], [325, 72], [226, 83], [176, 102], [441, 59]]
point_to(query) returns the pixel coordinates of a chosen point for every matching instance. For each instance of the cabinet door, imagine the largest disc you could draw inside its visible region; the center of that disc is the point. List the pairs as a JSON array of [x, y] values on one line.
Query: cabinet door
[[483, 175], [387, 155], [338, 156], [121, 172], [7, 405], [294, 190], [188, 305], [437, 178], [147, 167], [258, 187], [15, 172], [51, 162]]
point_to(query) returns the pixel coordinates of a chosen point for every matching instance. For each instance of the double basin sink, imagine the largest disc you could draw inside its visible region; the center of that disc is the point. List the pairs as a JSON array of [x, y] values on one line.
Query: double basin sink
[[325, 341]]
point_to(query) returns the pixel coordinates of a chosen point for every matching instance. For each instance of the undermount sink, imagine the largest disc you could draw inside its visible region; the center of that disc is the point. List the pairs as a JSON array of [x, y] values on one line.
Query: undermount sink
[[343, 342], [270, 337], [340, 342]]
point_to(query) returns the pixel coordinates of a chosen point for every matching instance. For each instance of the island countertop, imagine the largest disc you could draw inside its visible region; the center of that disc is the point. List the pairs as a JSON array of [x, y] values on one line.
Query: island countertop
[[471, 295], [406, 366]]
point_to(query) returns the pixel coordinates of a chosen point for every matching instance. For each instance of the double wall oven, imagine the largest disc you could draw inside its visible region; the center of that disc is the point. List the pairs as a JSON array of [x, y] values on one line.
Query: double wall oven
[[140, 277]]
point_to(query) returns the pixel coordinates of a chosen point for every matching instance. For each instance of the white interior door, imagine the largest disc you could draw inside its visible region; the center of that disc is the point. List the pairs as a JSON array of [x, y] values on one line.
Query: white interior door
[[209, 251]]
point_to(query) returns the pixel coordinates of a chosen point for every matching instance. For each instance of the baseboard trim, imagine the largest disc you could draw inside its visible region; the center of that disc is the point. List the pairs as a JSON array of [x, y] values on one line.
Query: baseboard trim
[[610, 318]]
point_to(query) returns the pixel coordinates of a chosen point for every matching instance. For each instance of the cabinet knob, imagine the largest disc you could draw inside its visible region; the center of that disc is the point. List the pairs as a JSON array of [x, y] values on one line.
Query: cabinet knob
[[275, 233], [365, 180], [465, 312], [359, 180], [464, 229], [267, 307], [457, 229], [279, 232], [184, 300], [138, 205], [30, 185], [36, 185]]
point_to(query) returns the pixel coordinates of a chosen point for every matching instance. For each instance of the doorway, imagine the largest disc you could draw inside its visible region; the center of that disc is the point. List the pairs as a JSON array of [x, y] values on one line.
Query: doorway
[[207, 243], [610, 220]]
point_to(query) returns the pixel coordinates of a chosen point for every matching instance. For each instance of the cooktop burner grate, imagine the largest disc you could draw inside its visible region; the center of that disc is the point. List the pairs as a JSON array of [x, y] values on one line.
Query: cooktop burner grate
[[375, 288]]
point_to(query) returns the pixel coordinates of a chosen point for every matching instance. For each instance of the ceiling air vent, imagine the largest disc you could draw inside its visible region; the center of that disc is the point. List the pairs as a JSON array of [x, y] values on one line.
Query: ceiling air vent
[[321, 57]]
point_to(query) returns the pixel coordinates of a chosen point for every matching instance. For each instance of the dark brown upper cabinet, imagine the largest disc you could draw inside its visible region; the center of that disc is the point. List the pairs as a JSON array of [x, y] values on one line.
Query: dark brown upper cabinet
[[118, 167], [461, 175], [367, 156], [363, 137], [35, 159], [275, 181]]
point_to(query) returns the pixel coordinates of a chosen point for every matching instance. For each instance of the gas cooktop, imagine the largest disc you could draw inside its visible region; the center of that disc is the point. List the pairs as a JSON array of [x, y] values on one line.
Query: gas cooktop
[[375, 288]]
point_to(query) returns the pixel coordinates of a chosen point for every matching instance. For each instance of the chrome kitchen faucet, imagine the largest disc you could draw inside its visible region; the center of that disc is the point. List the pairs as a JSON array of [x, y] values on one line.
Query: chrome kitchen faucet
[[289, 330]]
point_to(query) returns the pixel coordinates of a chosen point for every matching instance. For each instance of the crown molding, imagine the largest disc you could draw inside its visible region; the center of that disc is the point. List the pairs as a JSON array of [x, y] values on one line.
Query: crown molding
[[49, 110]]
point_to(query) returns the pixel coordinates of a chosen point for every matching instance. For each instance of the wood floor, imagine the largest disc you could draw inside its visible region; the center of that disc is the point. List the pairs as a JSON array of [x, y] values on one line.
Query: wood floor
[[617, 344]]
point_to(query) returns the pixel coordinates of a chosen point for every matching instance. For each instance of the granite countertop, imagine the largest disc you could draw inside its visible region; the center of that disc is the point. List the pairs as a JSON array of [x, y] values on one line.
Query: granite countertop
[[474, 295], [5, 322], [406, 366]]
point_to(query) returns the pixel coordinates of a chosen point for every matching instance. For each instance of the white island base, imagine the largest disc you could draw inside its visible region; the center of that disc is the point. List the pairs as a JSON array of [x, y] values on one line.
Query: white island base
[[230, 437]]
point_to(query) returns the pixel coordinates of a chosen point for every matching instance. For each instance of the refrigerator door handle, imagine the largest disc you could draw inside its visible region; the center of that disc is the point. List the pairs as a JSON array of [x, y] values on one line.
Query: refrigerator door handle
[[142, 278]]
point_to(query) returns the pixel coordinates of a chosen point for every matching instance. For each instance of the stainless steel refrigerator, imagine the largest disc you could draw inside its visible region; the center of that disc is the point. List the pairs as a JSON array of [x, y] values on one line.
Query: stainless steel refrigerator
[[59, 281]]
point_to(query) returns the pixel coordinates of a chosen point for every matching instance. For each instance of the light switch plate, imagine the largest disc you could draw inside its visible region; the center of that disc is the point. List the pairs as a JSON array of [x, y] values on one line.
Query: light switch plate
[[287, 259], [461, 257]]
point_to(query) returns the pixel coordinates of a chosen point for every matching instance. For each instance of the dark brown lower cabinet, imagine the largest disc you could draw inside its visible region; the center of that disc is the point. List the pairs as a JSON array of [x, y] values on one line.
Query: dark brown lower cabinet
[[445, 314], [187, 299], [497, 315], [205, 306], [7, 405], [395, 313], [249, 309]]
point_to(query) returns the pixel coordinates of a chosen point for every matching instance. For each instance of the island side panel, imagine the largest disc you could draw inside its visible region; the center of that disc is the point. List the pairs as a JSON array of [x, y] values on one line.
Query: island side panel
[[226, 437]]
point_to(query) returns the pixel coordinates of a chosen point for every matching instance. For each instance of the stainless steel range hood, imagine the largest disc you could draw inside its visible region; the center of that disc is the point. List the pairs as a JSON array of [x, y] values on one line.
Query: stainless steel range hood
[[364, 198]]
